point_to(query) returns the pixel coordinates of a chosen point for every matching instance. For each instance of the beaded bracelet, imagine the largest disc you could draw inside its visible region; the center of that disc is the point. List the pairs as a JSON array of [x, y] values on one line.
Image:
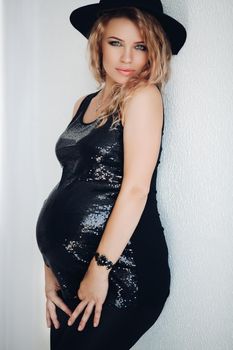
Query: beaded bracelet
[[103, 261]]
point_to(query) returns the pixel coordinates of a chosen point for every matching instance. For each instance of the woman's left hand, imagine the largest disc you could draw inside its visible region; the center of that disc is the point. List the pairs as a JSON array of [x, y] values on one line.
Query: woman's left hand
[[92, 291]]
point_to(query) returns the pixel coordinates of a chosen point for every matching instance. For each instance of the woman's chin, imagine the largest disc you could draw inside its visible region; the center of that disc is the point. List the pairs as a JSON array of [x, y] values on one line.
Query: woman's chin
[[121, 80]]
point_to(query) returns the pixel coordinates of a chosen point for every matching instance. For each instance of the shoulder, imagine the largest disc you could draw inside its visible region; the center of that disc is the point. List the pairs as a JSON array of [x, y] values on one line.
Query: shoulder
[[149, 90], [77, 105], [145, 106]]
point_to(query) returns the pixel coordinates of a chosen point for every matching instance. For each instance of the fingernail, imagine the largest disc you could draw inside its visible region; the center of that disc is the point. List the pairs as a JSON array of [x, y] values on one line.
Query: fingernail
[[95, 324], [69, 323]]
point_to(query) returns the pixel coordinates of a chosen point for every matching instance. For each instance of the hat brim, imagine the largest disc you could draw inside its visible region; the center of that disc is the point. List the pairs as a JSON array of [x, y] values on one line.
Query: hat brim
[[84, 17]]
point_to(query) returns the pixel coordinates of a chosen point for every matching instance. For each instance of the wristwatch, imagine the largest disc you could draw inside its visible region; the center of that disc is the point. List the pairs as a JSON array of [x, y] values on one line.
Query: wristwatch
[[103, 261]]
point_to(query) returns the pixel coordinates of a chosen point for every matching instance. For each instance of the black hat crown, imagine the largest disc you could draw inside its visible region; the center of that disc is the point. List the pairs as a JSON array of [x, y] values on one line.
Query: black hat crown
[[84, 17], [147, 4]]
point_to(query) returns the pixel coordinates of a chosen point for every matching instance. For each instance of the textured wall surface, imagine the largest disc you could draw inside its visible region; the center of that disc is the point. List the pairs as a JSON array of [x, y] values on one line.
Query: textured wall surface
[[45, 72]]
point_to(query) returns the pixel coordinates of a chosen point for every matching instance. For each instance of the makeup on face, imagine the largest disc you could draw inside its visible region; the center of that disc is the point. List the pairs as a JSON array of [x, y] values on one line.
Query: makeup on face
[[138, 43]]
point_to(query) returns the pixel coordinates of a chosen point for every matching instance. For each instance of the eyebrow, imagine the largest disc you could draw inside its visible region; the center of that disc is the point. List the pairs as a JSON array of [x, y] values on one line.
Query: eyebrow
[[115, 37]]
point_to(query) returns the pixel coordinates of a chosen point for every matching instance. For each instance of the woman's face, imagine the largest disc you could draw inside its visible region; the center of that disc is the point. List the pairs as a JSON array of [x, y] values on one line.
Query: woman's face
[[122, 48]]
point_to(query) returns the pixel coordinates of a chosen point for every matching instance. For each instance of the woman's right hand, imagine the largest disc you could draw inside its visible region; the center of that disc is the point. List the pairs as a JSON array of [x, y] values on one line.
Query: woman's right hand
[[51, 288]]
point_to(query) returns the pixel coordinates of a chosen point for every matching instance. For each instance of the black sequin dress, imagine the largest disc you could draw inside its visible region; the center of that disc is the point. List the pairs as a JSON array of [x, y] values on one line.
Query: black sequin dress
[[74, 215]]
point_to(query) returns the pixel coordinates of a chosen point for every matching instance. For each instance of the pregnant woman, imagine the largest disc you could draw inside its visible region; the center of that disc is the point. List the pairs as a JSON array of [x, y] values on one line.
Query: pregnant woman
[[107, 275]]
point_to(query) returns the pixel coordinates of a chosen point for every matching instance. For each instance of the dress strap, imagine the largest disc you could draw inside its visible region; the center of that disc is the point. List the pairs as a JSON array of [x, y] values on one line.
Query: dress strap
[[79, 110], [82, 106]]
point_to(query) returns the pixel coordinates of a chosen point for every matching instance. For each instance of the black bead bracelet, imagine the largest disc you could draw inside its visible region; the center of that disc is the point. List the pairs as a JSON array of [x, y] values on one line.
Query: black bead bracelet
[[103, 261]]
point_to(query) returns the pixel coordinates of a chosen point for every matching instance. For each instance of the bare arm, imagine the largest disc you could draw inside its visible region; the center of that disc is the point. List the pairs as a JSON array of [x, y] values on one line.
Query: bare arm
[[142, 138]]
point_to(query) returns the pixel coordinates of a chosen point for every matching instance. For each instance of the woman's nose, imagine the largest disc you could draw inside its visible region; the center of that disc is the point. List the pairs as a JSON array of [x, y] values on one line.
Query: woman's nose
[[126, 56]]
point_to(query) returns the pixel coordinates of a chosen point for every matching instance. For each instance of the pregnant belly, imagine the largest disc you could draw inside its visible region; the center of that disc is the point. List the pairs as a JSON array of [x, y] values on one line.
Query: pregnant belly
[[72, 220]]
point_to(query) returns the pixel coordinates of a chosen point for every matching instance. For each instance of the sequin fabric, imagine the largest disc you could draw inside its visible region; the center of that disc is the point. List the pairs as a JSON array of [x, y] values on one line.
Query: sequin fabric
[[73, 217]]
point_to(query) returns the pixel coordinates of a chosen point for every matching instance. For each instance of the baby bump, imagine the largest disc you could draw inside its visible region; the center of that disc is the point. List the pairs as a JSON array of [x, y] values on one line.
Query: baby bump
[[73, 222]]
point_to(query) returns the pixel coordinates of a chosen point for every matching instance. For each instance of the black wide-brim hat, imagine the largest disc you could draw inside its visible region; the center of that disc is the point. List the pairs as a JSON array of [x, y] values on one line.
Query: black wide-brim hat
[[84, 17]]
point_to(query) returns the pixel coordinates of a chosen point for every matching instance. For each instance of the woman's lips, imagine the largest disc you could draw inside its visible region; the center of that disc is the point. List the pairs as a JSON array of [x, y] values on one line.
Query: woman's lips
[[125, 71]]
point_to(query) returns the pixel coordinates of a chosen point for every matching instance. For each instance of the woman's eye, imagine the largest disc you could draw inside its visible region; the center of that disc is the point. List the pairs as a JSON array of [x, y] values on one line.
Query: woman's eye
[[113, 42], [142, 47]]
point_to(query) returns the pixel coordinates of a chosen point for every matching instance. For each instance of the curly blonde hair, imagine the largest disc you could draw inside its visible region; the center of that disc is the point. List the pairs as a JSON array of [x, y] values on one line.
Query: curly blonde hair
[[156, 71]]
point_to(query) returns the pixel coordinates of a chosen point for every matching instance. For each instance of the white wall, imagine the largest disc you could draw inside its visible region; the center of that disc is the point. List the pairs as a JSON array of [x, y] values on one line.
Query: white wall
[[45, 71]]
